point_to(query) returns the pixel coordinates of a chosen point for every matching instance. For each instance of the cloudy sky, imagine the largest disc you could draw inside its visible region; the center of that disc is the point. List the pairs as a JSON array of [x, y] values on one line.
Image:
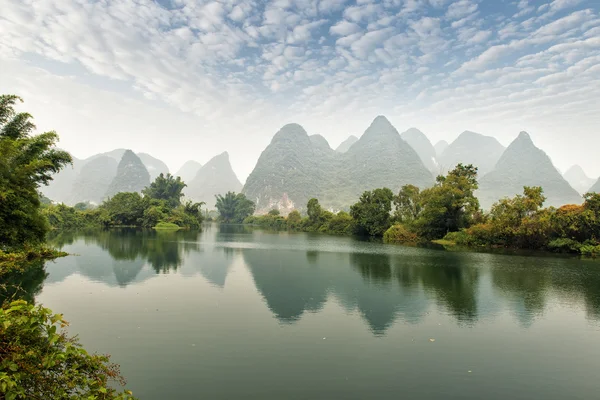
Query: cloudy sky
[[188, 79]]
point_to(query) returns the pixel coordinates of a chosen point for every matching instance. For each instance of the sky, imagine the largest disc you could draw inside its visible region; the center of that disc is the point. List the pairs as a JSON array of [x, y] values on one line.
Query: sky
[[189, 79]]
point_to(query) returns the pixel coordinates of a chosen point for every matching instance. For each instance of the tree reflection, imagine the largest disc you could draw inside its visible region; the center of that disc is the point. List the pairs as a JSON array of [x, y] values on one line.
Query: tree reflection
[[24, 284]]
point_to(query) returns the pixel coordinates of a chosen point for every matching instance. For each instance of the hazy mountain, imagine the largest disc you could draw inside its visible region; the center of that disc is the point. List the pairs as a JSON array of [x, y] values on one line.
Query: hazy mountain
[[188, 171], [472, 148], [578, 179], [421, 144], [380, 158], [346, 144], [115, 154], [523, 164], [59, 189], [595, 188], [440, 147], [296, 167], [154, 166], [131, 176], [289, 166], [93, 180], [214, 177]]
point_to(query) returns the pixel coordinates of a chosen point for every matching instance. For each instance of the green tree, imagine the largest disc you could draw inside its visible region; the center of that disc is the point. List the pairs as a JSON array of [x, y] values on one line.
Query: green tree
[[407, 204], [314, 211], [234, 208], [39, 361], [274, 212], [372, 213], [294, 219], [450, 205], [167, 188], [26, 163], [125, 208]]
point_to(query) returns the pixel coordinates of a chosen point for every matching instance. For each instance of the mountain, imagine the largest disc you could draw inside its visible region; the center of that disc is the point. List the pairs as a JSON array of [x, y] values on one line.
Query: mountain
[[380, 158], [595, 188], [346, 144], [296, 167], [287, 169], [154, 166], [472, 148], [523, 164], [214, 177], [421, 144], [59, 189], [578, 179], [188, 171], [131, 176], [93, 180], [440, 147]]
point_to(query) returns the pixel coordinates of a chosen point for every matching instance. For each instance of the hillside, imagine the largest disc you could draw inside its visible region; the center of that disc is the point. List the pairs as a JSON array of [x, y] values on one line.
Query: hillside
[[596, 187], [421, 144], [346, 144], [440, 147], [523, 164], [214, 177], [93, 180], [131, 176], [154, 166], [578, 179], [472, 148], [188, 171]]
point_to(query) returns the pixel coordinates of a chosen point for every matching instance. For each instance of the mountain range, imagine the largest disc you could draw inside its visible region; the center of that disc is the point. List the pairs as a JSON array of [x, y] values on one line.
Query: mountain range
[[297, 166]]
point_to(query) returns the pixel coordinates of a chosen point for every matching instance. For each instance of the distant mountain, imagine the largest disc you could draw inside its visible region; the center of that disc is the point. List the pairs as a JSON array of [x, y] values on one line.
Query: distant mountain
[[288, 168], [421, 144], [472, 148], [93, 180], [188, 171], [440, 147], [578, 179], [346, 144], [595, 188], [59, 189], [523, 164], [131, 176], [296, 167], [154, 166], [214, 177], [380, 158]]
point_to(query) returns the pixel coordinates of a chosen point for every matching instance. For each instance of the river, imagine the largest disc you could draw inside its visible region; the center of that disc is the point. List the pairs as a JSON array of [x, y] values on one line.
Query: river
[[232, 312]]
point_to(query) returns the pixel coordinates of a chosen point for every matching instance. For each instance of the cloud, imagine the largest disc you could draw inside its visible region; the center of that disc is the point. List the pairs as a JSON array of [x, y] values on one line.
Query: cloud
[[344, 28]]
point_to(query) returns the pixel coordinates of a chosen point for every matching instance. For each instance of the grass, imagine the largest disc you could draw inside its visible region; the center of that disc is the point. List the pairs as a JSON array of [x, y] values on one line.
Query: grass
[[444, 242]]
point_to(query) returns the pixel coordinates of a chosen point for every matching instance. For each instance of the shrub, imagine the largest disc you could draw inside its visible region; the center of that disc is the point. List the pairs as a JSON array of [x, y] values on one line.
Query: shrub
[[565, 245], [167, 225], [400, 235]]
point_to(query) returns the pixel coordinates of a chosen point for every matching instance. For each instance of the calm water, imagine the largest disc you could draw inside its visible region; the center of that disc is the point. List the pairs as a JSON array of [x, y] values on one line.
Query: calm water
[[233, 313]]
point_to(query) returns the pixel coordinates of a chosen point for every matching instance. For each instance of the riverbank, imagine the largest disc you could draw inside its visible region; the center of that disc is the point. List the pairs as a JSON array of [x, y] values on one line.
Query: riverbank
[[16, 261]]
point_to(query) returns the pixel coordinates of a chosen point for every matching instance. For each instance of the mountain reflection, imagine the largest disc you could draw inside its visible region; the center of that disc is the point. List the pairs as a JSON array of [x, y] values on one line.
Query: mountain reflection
[[297, 273]]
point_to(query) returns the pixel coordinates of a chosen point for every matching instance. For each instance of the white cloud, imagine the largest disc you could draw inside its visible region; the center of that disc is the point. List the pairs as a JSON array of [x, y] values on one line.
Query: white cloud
[[461, 9], [344, 28]]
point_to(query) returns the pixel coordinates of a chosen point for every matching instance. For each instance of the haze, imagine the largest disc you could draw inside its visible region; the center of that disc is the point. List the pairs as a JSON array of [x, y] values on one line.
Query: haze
[[187, 80]]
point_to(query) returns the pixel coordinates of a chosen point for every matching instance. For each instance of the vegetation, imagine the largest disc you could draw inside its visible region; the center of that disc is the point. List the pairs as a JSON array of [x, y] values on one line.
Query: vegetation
[[234, 208], [167, 225], [27, 162], [39, 361], [449, 213]]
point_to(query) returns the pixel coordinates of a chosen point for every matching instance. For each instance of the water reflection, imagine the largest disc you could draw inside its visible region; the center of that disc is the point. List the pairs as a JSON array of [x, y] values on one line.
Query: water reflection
[[298, 274]]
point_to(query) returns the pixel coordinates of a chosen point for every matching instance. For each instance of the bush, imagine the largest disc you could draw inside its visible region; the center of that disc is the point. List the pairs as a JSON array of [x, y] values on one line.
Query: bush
[[589, 250], [37, 361], [400, 235], [565, 245], [167, 225]]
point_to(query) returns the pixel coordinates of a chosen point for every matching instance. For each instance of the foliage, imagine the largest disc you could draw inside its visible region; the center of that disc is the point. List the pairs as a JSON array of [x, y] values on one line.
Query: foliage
[[399, 234], [27, 162], [294, 219], [450, 205], [234, 208], [167, 225], [274, 212], [39, 361], [372, 212], [167, 188], [339, 224], [124, 209]]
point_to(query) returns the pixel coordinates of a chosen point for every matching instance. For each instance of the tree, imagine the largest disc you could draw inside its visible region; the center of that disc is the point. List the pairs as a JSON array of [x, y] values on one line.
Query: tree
[[234, 208], [314, 211], [450, 205], [372, 213], [407, 204], [26, 163], [39, 361], [294, 219], [274, 212], [125, 208], [167, 188]]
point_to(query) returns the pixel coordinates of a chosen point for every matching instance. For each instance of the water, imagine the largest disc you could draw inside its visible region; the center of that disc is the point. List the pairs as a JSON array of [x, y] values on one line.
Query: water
[[233, 313]]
